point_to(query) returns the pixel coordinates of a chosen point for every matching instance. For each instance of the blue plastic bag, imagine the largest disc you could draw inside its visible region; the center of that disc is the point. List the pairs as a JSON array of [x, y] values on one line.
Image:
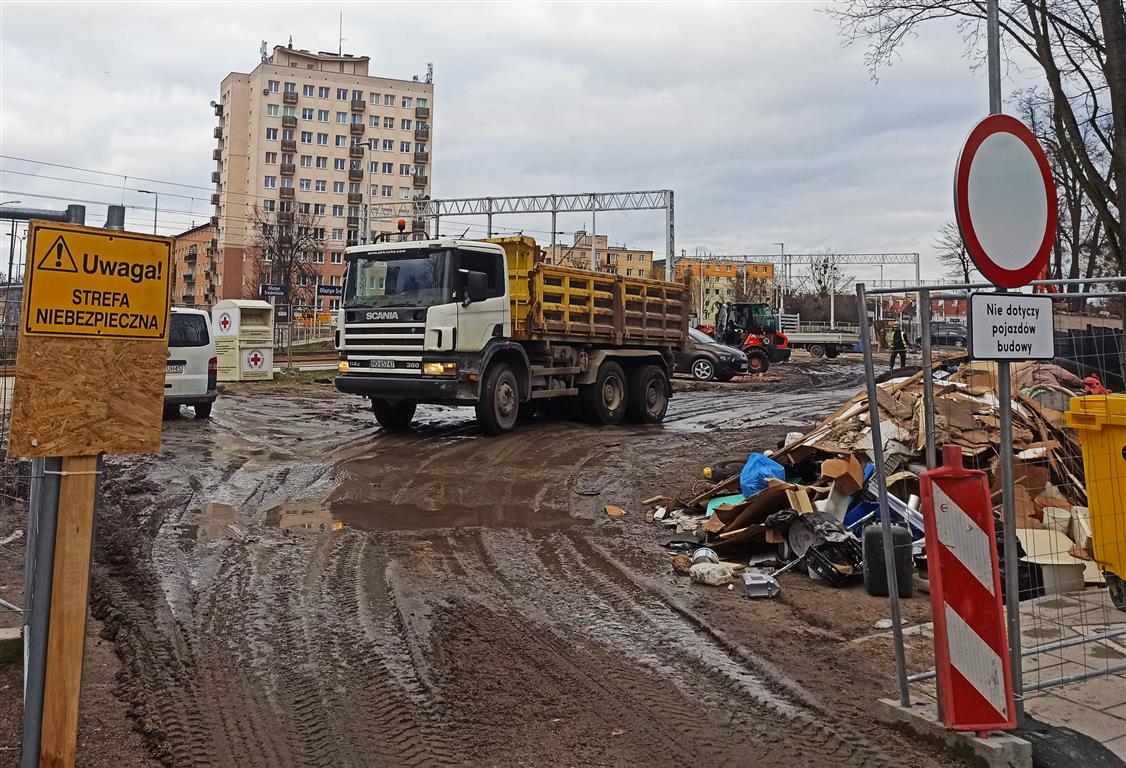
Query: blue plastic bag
[[756, 471]]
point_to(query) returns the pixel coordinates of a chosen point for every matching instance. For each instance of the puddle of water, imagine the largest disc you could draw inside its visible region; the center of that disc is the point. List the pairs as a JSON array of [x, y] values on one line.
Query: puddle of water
[[213, 522], [371, 515], [303, 517]]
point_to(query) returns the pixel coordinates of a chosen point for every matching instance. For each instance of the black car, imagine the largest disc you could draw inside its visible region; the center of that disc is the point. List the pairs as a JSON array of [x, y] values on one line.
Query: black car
[[707, 359], [947, 335]]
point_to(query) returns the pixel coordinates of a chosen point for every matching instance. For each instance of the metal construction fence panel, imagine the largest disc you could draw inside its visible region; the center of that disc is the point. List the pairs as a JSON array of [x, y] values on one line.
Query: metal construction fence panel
[[1056, 466]]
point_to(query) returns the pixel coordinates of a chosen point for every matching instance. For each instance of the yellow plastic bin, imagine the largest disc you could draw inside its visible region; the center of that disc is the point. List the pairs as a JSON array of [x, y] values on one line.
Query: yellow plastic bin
[[1101, 423]]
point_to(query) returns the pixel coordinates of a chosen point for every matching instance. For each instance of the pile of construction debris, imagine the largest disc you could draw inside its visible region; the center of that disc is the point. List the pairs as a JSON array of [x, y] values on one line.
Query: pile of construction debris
[[813, 501]]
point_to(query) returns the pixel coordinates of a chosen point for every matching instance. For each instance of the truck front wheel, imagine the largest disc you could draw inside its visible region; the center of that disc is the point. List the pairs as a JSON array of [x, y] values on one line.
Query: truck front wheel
[[499, 404], [757, 361], [648, 395], [393, 417], [604, 401]]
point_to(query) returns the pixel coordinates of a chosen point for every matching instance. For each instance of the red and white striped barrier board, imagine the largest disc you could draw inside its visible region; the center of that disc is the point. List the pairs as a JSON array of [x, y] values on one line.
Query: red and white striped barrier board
[[971, 652]]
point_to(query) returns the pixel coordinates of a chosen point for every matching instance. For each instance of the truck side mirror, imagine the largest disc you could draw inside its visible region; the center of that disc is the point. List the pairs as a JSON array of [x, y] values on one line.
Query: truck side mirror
[[476, 287]]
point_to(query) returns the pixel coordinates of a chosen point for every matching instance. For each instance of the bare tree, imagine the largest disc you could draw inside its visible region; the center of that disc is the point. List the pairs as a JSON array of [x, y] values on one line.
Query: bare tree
[[827, 275], [285, 243], [951, 252]]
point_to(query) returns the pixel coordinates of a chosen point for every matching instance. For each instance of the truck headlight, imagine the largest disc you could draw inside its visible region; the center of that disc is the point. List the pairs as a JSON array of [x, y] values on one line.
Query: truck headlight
[[342, 366], [439, 369]]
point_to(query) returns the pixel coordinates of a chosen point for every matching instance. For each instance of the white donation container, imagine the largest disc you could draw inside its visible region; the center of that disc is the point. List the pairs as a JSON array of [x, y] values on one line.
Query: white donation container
[[244, 339]]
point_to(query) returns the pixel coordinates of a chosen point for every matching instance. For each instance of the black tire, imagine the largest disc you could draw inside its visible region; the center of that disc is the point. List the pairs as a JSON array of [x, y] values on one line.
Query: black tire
[[648, 399], [394, 418], [702, 369], [499, 406], [203, 411], [604, 401], [725, 376], [817, 350], [875, 566], [757, 361], [832, 352]]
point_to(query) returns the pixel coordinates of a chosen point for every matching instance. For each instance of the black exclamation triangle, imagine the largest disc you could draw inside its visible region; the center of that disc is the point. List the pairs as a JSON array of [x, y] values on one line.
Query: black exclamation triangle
[[59, 254]]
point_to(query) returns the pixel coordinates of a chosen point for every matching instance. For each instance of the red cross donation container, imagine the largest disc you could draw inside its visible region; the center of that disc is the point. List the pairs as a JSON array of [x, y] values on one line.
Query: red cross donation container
[[971, 649], [244, 339]]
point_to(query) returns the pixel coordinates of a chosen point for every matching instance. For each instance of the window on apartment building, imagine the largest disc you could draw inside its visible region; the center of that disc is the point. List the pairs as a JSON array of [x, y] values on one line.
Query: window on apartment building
[[271, 158], [306, 161], [642, 257], [287, 182], [285, 206], [342, 118], [353, 210], [271, 134], [287, 134], [629, 257], [302, 207], [357, 95], [342, 94], [341, 141], [388, 168], [357, 119], [306, 137], [338, 164], [388, 145], [405, 147], [324, 92], [268, 205], [305, 185], [306, 113], [373, 167], [322, 115], [337, 257], [272, 86], [272, 110], [318, 208], [337, 233], [388, 122], [338, 187], [408, 102], [338, 210], [322, 185], [322, 139], [289, 111], [322, 162], [420, 102], [405, 124], [271, 182], [404, 193], [354, 187], [373, 121], [308, 89], [388, 100], [291, 87], [405, 169], [319, 257], [374, 97], [387, 191], [420, 170]]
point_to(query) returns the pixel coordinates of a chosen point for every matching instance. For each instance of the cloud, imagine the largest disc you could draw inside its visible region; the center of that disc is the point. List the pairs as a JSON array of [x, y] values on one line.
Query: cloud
[[766, 127]]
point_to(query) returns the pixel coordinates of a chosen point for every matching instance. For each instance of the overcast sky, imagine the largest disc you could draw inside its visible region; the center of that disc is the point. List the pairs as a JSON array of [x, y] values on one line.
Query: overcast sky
[[766, 127]]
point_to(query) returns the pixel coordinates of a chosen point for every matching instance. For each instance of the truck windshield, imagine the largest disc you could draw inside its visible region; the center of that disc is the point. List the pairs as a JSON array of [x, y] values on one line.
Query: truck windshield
[[413, 279]]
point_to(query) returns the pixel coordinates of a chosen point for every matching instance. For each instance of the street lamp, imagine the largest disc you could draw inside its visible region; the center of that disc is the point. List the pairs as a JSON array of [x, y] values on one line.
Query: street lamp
[[782, 283], [155, 206]]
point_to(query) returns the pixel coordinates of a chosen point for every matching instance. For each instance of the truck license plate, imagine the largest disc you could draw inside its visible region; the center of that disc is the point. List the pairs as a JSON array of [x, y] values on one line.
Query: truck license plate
[[173, 369], [381, 363]]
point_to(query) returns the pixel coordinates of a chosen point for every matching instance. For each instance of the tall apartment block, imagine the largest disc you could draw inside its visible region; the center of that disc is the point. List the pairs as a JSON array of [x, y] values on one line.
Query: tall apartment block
[[313, 134]]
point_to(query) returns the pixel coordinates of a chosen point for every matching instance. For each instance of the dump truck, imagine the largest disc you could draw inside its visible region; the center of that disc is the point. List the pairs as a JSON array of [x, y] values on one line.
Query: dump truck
[[489, 324]]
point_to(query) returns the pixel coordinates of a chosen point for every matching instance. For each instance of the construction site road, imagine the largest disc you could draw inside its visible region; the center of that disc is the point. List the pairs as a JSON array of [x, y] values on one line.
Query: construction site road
[[288, 585]]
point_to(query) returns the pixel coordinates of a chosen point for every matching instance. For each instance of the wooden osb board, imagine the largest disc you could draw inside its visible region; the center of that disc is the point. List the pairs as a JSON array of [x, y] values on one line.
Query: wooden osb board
[[82, 397]]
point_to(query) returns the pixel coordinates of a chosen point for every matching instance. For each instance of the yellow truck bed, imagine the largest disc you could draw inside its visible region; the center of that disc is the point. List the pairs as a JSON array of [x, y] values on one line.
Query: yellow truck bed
[[562, 304]]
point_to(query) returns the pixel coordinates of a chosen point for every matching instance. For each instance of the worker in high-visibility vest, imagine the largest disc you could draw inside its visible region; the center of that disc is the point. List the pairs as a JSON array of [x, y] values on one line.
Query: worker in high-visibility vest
[[898, 345]]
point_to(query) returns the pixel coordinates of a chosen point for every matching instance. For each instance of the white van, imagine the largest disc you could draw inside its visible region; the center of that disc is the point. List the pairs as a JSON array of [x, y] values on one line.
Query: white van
[[192, 368]]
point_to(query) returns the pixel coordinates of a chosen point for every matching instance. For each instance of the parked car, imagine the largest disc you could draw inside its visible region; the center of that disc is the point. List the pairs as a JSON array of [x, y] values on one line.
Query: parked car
[[947, 335], [192, 368], [707, 359]]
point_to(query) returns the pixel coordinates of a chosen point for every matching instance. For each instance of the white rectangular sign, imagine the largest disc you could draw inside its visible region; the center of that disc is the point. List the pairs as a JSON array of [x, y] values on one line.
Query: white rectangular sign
[[1011, 326]]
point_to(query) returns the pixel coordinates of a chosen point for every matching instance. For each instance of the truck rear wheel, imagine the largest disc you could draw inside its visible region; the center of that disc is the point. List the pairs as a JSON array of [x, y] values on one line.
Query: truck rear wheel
[[817, 350], [499, 404], [648, 395], [393, 417], [604, 401], [832, 351], [757, 361]]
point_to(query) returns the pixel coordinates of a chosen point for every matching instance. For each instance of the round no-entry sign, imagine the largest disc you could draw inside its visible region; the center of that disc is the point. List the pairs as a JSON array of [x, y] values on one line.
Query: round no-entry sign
[[1005, 201]]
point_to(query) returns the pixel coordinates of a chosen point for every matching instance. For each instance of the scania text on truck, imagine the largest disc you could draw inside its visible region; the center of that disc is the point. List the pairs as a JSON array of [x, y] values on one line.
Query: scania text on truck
[[487, 324]]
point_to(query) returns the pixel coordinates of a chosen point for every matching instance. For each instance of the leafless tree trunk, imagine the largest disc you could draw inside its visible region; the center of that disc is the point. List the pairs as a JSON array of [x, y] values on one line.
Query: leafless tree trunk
[[286, 245]]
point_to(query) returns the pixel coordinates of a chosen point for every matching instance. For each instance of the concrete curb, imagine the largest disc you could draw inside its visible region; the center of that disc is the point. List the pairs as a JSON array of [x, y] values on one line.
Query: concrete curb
[[999, 750], [11, 645]]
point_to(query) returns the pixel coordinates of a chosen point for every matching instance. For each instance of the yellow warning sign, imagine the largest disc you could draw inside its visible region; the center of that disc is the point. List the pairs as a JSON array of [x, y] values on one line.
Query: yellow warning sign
[[94, 282]]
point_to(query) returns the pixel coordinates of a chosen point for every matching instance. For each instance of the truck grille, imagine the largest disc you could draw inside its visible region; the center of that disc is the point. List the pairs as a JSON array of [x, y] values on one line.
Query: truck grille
[[384, 347]]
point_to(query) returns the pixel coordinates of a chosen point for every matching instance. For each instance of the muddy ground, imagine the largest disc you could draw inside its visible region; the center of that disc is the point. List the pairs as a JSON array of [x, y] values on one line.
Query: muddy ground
[[287, 585]]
